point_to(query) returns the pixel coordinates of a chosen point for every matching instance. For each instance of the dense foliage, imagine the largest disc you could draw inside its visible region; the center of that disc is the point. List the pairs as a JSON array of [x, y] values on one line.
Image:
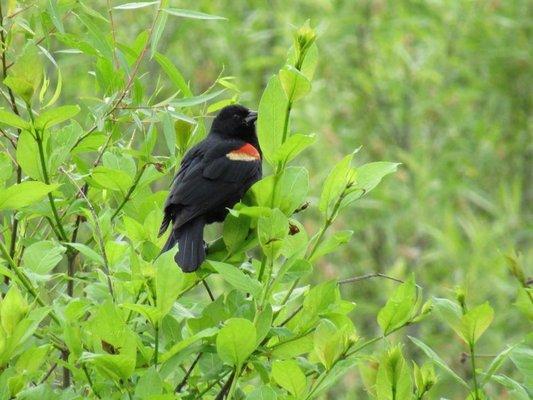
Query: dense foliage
[[96, 118]]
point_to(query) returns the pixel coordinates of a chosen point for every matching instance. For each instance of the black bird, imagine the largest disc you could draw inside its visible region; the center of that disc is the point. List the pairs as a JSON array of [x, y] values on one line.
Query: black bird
[[214, 175]]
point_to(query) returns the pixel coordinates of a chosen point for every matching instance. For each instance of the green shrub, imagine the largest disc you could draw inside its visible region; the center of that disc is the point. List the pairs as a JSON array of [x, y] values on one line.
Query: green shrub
[[90, 310]]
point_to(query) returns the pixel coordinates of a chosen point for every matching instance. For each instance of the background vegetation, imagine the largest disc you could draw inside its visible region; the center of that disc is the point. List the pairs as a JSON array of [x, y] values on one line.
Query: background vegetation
[[443, 87]]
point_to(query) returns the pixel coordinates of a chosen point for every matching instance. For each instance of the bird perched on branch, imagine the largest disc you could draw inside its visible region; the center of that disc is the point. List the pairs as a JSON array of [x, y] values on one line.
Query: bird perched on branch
[[214, 175]]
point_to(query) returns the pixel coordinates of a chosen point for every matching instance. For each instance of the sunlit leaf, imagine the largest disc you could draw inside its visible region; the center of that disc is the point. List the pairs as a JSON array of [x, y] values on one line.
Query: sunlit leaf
[[236, 341]]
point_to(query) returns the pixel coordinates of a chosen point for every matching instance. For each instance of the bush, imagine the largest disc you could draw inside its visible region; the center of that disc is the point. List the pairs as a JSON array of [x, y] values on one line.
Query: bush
[[90, 310]]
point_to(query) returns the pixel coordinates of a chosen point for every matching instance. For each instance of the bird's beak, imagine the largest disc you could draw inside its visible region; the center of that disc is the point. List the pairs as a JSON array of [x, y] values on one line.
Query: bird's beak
[[251, 117]]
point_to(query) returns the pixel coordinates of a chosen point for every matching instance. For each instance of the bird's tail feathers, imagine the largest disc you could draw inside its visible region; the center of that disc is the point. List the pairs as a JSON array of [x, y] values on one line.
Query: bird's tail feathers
[[190, 238]]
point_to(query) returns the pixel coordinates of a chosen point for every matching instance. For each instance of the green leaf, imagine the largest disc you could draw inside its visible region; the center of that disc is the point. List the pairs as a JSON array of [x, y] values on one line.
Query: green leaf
[[26, 73], [291, 190], [294, 347], [149, 384], [135, 5], [516, 392], [496, 363], [470, 326], [271, 232], [55, 116], [57, 91], [271, 119], [27, 156], [187, 342], [437, 360], [174, 74], [522, 357], [331, 244], [329, 343], [13, 309], [193, 101], [333, 375], [393, 381], [400, 307], [151, 313], [424, 378], [476, 321], [235, 231], [262, 393], [263, 323], [32, 359], [23, 194], [290, 377], [179, 12], [87, 252], [450, 313], [310, 61], [293, 146], [294, 83], [116, 367], [370, 175], [338, 179], [158, 30], [6, 168], [41, 257], [236, 341], [112, 179], [236, 278], [317, 302], [169, 282], [10, 119]]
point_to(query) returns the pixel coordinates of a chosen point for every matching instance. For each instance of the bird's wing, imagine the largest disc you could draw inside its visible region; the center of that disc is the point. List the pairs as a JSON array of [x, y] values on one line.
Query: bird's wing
[[210, 180]]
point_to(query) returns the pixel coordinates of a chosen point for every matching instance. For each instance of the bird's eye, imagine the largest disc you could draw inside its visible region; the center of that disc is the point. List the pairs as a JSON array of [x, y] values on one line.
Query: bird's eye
[[235, 117]]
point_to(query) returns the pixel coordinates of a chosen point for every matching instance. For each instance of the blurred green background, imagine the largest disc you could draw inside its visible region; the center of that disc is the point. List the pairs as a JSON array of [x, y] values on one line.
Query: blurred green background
[[444, 87]]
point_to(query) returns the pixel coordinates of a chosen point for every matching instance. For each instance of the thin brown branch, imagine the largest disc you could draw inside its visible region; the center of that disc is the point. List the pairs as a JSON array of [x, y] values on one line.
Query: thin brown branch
[[98, 232], [368, 276], [188, 373], [113, 34], [130, 80], [13, 105]]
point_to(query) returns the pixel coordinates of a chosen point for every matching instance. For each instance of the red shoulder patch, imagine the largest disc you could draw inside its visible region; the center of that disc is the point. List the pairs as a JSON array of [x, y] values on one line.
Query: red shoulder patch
[[244, 153], [249, 150]]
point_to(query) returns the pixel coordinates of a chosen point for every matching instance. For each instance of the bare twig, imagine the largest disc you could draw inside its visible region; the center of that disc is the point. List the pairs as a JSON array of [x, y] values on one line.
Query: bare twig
[[188, 373], [130, 80], [13, 104], [99, 234], [368, 276], [113, 34]]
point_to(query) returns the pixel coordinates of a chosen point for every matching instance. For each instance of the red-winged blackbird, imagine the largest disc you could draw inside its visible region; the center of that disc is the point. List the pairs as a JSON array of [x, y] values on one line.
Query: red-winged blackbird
[[214, 175]]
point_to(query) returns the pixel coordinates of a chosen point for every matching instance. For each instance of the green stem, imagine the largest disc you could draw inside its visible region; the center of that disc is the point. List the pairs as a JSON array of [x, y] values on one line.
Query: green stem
[[156, 346], [208, 289], [268, 285], [210, 386], [38, 138], [90, 381], [130, 191], [262, 269], [317, 242], [474, 374], [319, 238], [286, 122], [233, 386]]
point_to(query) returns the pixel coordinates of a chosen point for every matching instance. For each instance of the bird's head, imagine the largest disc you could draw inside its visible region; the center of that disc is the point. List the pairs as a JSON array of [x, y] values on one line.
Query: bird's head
[[235, 121]]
